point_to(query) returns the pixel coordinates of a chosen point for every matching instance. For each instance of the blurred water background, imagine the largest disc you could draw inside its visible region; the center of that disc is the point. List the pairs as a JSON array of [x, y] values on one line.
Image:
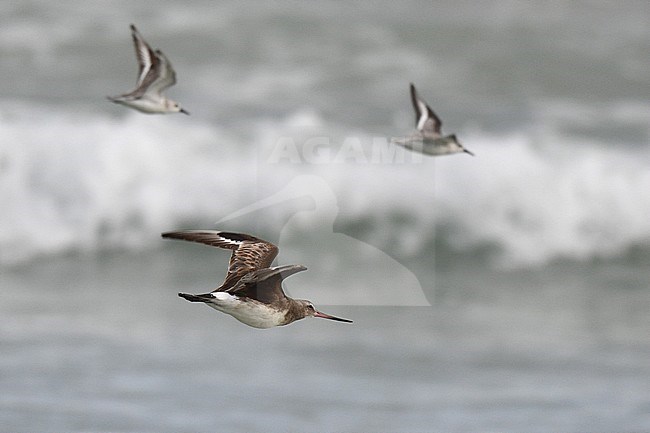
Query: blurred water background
[[507, 292]]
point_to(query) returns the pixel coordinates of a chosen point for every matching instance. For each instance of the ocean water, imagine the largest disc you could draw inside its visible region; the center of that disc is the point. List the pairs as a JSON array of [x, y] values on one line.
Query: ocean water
[[504, 292]]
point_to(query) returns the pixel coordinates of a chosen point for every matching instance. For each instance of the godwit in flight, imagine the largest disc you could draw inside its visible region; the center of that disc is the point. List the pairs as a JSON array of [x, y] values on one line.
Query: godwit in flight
[[252, 291]]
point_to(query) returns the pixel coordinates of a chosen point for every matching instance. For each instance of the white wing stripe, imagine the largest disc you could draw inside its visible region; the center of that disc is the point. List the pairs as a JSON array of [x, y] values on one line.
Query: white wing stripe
[[424, 114]]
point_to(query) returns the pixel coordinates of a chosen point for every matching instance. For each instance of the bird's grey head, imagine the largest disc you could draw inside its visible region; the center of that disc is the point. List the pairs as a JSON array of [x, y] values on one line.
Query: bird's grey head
[[309, 310], [455, 145]]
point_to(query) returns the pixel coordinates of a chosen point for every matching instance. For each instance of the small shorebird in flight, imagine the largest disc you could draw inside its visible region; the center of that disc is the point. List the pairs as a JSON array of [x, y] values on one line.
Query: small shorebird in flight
[[252, 291], [427, 138], [155, 74]]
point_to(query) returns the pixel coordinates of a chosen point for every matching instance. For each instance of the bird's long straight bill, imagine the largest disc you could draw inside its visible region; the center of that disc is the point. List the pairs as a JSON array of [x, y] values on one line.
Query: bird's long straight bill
[[327, 316]]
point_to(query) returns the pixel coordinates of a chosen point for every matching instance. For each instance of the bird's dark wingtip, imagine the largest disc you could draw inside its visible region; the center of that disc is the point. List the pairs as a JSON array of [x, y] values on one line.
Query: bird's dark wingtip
[[169, 235]]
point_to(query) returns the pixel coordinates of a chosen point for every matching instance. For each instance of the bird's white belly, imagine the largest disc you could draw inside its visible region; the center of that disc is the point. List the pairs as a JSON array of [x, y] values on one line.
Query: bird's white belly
[[251, 313], [425, 145], [147, 105]]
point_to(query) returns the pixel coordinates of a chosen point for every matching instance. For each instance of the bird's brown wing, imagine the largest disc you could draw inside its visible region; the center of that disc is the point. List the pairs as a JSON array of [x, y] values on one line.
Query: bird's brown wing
[[248, 252], [265, 285]]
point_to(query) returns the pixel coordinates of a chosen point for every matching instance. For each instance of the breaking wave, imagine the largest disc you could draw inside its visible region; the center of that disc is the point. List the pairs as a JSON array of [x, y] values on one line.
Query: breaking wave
[[73, 181]]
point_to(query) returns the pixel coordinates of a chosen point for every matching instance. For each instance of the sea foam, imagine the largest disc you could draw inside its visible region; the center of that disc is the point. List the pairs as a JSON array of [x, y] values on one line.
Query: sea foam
[[73, 181]]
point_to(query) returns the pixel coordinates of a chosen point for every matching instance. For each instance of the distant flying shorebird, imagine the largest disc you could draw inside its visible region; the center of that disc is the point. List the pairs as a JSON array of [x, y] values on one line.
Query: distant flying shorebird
[[252, 291], [155, 74], [427, 138]]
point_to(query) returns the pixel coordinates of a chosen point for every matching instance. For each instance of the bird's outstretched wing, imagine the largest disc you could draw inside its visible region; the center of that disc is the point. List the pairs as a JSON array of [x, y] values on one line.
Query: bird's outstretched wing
[[265, 285], [148, 64], [426, 120], [249, 253], [165, 74]]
